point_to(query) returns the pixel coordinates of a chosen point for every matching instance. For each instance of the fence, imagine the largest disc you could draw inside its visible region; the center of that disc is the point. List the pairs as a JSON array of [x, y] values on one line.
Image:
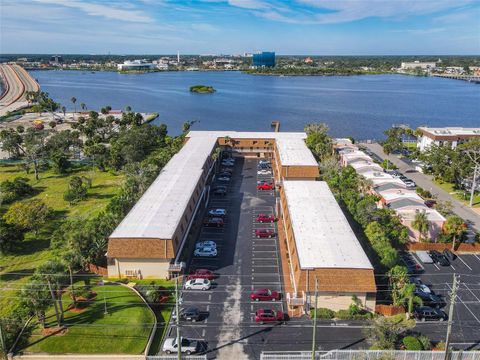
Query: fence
[[175, 357], [369, 355]]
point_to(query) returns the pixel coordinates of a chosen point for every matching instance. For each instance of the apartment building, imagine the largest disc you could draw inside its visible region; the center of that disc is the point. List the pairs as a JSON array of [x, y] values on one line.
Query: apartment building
[[447, 136]]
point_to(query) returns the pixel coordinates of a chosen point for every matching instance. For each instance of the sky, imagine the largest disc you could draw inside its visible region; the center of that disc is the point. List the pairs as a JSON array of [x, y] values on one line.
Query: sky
[[313, 27]]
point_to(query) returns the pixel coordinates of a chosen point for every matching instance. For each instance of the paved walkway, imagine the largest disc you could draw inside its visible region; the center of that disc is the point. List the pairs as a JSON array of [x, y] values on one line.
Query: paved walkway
[[425, 181]]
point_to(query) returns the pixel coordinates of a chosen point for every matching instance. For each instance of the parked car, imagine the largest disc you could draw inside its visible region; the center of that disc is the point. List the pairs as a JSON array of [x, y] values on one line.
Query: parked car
[[220, 191], [264, 172], [213, 221], [264, 162], [265, 295], [268, 315], [439, 258], [264, 167], [208, 243], [449, 255], [226, 170], [264, 186], [430, 203], [227, 163], [225, 173], [264, 233], [217, 212], [410, 184], [198, 284], [424, 313], [224, 178], [420, 285], [201, 274], [188, 314], [265, 218], [188, 346], [430, 299], [205, 251]]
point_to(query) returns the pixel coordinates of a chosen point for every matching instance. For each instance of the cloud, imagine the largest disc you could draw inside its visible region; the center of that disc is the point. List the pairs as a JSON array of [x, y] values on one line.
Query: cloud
[[249, 4], [106, 11], [421, 31]]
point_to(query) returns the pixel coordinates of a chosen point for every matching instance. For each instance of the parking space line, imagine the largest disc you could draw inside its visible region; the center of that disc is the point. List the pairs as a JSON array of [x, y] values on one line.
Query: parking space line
[[452, 267], [461, 301], [475, 296], [465, 263]]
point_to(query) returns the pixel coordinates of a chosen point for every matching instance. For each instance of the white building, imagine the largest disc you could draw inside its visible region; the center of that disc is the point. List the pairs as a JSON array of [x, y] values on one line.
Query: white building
[[135, 65], [452, 136], [417, 64]]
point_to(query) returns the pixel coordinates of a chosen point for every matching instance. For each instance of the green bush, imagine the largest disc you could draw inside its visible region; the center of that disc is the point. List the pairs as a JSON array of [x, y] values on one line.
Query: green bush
[[412, 343], [324, 313], [425, 341]]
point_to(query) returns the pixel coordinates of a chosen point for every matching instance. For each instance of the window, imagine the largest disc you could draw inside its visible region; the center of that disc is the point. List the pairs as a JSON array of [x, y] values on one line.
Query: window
[[111, 261], [254, 142]]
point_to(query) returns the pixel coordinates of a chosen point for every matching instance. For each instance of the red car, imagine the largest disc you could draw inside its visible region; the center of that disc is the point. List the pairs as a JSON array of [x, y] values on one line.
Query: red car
[[201, 274], [430, 203], [265, 218], [264, 186], [214, 221], [268, 315], [265, 295], [264, 233]]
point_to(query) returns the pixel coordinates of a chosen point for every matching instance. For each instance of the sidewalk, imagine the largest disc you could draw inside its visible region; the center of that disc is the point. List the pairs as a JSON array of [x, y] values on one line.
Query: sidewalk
[[425, 181]]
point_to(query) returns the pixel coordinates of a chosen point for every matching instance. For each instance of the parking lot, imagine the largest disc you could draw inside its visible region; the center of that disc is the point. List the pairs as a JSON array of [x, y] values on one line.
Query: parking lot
[[244, 263], [466, 317]]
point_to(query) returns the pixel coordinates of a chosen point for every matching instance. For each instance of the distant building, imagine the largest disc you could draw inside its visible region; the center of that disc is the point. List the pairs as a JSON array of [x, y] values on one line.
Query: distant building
[[452, 136], [417, 64], [162, 66], [264, 59], [308, 60], [56, 60], [135, 65]]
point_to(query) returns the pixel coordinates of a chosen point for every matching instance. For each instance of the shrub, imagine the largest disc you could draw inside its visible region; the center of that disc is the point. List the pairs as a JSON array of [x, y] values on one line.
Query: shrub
[[425, 341], [15, 190], [412, 343], [324, 313]]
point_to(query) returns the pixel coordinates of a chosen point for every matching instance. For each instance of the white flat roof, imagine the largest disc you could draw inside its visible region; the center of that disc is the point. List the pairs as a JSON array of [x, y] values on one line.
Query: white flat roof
[[432, 215], [399, 194], [291, 145], [451, 131], [160, 209], [323, 236], [360, 164]]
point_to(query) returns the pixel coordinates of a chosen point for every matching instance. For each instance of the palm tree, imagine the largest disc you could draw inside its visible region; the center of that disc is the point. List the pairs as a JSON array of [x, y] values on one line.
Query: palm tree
[[215, 156], [409, 298], [36, 298], [83, 106], [421, 224], [128, 108], [74, 100], [397, 278], [71, 259], [53, 274], [64, 110], [454, 226]]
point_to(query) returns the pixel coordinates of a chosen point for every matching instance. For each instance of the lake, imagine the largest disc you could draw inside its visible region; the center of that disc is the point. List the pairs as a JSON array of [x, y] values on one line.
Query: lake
[[359, 106]]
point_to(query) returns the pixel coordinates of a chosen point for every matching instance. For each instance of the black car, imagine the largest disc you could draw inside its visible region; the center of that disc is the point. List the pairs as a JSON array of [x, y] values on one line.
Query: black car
[[424, 313], [449, 255], [430, 299], [439, 258], [189, 314], [220, 191], [225, 173], [226, 170]]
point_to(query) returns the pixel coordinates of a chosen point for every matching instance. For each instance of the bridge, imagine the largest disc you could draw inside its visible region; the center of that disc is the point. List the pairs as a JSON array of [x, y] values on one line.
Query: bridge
[[16, 82], [469, 78]]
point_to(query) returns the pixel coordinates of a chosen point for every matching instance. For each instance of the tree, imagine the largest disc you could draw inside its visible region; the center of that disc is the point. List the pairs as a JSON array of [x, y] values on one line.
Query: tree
[[454, 227], [60, 147], [83, 106], [397, 279], [472, 149], [53, 274], [35, 296], [10, 237], [13, 190], [74, 100], [318, 140], [408, 297], [76, 192], [71, 260], [421, 224], [64, 111], [28, 215], [52, 124], [383, 333], [128, 108]]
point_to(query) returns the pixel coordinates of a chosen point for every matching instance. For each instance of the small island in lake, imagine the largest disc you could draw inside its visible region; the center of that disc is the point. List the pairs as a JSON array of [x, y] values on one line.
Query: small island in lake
[[202, 89]]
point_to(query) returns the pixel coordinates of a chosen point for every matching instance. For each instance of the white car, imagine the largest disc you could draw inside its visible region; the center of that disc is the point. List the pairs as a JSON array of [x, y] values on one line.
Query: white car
[[188, 346], [206, 244], [224, 178], [198, 284], [264, 172], [205, 252], [264, 162], [218, 212]]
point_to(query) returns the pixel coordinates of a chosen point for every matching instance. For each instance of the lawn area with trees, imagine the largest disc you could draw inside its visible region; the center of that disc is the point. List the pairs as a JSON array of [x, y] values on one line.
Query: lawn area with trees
[[115, 321], [62, 198]]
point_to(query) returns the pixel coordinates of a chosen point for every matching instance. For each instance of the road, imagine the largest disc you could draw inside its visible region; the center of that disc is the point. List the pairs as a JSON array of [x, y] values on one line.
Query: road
[[426, 183], [17, 81]]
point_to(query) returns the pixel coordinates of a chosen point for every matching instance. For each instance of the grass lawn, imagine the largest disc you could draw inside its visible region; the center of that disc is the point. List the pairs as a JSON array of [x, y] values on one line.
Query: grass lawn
[[35, 249], [459, 194], [124, 329]]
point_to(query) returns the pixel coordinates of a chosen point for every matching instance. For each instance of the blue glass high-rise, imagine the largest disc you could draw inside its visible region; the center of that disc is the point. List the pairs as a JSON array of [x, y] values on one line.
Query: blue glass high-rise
[[264, 59]]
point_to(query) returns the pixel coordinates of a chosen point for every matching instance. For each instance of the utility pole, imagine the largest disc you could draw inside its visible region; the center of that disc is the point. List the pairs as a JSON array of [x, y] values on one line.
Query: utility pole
[[177, 321], [474, 184], [315, 319], [453, 296]]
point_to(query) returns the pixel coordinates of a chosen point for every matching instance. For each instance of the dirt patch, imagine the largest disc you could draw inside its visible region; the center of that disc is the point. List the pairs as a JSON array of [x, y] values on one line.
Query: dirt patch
[[54, 331]]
